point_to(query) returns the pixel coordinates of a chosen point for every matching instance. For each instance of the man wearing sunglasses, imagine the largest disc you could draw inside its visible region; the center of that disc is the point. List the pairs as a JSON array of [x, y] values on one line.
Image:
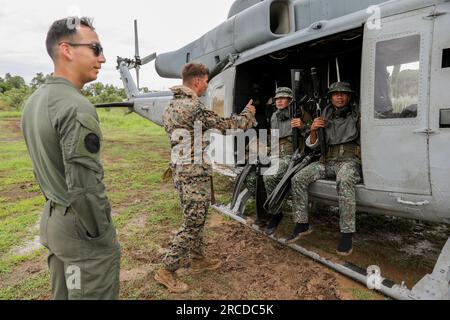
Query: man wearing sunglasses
[[63, 137]]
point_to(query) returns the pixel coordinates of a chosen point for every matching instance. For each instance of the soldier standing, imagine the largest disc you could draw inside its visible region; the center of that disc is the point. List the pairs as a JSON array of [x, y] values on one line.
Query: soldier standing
[[341, 122], [192, 179], [280, 120], [63, 137]]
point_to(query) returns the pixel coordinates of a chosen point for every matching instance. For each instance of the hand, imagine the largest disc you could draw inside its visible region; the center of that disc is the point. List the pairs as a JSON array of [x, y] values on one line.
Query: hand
[[251, 107], [297, 123], [318, 123]]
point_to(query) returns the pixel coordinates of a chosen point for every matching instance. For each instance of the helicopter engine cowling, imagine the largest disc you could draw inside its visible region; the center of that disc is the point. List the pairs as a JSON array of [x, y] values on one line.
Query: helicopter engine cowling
[[253, 26]]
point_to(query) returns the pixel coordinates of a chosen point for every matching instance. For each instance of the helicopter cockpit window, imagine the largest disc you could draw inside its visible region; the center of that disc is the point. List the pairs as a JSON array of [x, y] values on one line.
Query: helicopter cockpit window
[[446, 58], [218, 102], [397, 78]]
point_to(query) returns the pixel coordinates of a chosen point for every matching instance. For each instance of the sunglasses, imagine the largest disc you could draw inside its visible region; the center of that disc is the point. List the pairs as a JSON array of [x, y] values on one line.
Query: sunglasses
[[96, 47]]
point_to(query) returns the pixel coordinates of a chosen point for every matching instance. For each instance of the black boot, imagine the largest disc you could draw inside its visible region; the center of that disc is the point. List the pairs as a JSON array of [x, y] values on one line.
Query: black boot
[[273, 223], [345, 246], [261, 223], [300, 229]]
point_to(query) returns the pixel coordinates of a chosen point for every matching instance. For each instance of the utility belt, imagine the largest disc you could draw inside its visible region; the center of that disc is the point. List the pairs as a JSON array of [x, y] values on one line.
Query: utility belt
[[58, 207], [344, 150]]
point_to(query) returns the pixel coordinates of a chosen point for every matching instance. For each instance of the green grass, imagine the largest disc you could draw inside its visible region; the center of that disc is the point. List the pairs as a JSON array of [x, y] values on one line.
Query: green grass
[[31, 288], [363, 294], [10, 114], [20, 204]]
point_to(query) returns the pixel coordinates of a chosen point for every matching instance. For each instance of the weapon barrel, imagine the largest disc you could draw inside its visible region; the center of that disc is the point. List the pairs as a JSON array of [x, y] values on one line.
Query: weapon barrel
[[320, 131], [296, 75]]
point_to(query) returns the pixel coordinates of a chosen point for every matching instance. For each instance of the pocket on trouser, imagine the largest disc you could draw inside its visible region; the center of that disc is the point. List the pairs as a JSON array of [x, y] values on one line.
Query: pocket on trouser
[[106, 241], [43, 233], [100, 269], [93, 214]]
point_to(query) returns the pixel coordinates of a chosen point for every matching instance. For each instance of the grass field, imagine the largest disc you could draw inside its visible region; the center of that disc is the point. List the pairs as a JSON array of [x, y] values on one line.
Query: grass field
[[146, 213]]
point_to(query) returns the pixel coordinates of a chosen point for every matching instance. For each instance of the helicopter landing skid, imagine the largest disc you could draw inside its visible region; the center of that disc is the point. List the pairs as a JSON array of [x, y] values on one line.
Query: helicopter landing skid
[[434, 286]]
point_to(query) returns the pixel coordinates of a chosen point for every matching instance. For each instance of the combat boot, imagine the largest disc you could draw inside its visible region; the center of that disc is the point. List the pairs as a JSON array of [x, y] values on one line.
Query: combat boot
[[345, 246], [171, 281], [261, 223], [300, 229], [273, 223], [199, 265]]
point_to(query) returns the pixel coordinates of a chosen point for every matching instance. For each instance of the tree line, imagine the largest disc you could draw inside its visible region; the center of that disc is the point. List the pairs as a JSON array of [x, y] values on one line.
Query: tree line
[[14, 91]]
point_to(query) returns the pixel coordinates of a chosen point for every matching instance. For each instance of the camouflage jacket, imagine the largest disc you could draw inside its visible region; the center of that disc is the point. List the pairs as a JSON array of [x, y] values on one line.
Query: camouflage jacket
[[187, 115]]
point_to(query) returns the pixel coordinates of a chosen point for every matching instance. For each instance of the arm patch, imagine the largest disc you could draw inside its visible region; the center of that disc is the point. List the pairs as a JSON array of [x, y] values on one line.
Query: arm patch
[[92, 143], [89, 137]]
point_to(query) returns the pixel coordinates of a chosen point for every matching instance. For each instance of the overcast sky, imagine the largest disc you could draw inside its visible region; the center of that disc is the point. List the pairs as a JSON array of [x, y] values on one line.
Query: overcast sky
[[163, 26]]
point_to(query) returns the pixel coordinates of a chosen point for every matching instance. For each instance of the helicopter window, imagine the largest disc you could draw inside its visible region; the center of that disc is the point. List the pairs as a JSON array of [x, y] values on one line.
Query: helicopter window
[[446, 58], [219, 100], [279, 18], [397, 78]]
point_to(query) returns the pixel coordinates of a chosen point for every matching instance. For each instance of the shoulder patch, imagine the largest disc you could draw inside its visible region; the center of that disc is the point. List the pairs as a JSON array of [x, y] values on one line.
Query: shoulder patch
[[92, 143]]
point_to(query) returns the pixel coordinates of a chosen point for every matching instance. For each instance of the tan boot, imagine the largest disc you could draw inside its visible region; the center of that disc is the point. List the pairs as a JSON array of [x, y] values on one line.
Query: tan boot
[[170, 281], [199, 265]]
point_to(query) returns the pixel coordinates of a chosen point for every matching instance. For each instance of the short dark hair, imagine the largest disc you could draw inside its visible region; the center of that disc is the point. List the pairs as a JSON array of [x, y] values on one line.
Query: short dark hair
[[64, 29], [193, 70]]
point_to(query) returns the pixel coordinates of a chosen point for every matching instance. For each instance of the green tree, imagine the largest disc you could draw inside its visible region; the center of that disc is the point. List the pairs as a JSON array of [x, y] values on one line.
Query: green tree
[[38, 80], [15, 98]]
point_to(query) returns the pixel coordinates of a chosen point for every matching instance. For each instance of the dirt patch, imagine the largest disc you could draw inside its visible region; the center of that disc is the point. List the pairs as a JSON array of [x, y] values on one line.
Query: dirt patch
[[257, 268], [19, 192], [23, 271], [14, 132], [133, 274], [405, 250], [15, 126], [30, 246]]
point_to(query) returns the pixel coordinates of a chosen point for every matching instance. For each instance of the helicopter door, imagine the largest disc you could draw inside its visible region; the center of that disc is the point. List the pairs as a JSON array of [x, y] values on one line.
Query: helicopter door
[[440, 104], [395, 103], [220, 95]]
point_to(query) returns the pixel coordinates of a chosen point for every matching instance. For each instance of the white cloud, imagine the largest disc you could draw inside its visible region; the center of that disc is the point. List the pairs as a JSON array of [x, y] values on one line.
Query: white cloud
[[163, 26]]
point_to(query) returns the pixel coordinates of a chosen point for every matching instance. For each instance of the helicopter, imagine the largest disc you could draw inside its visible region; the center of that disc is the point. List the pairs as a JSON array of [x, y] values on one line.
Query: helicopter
[[396, 55]]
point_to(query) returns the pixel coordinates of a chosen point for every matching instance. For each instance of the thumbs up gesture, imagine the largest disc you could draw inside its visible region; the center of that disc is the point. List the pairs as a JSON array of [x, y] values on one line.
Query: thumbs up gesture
[[250, 107]]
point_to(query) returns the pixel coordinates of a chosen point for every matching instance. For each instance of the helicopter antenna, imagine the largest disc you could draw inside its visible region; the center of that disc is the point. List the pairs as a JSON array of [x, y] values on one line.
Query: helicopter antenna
[[337, 70]]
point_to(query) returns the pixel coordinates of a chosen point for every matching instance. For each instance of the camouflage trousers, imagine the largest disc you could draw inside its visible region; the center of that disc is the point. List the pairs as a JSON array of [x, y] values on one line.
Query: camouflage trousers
[[270, 181], [347, 173], [195, 197]]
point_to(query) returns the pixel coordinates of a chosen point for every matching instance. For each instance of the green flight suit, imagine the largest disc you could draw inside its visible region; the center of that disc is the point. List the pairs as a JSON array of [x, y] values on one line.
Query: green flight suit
[[63, 137]]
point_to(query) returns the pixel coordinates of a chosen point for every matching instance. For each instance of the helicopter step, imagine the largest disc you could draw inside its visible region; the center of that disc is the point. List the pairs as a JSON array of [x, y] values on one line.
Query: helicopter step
[[434, 286]]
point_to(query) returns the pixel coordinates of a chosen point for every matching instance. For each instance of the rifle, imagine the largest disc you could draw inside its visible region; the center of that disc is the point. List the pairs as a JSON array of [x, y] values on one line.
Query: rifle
[[296, 108], [275, 200], [317, 100]]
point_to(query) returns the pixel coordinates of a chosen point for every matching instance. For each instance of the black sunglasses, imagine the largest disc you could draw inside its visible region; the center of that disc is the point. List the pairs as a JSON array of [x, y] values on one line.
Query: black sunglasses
[[96, 47]]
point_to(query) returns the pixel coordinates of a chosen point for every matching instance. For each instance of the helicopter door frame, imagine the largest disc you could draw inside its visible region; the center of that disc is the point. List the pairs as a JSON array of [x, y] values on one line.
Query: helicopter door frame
[[440, 110], [395, 154], [222, 147]]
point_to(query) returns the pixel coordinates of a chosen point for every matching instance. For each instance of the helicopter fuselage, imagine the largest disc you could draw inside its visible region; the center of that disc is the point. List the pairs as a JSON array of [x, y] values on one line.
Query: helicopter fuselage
[[401, 70]]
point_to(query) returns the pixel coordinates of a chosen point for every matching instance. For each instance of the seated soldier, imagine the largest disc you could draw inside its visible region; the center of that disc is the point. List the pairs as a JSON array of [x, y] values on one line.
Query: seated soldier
[[281, 120], [340, 121]]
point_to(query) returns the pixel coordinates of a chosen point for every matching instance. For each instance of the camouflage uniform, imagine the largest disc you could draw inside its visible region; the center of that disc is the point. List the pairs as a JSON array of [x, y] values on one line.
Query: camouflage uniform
[[347, 174], [341, 162], [192, 180], [280, 120]]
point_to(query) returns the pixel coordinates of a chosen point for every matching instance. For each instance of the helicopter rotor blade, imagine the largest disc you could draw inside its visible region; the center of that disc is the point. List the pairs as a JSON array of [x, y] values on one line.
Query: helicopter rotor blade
[[148, 58], [136, 40], [137, 76]]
